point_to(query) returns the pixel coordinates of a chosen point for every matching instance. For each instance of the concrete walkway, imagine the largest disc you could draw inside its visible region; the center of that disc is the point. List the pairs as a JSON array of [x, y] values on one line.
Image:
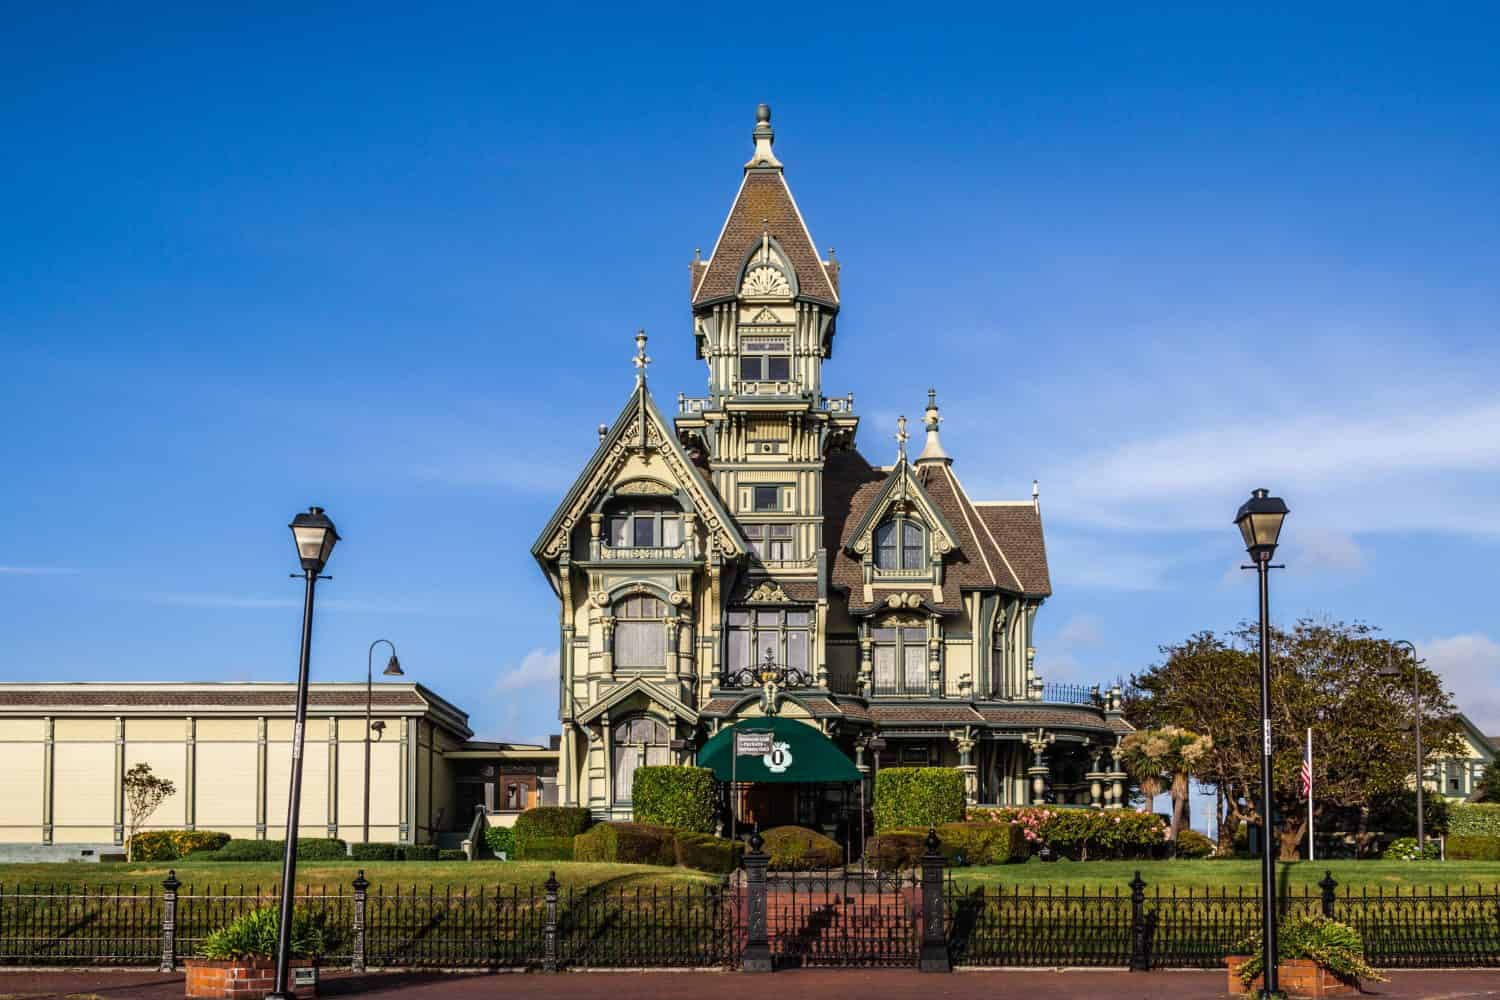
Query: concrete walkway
[[791, 985]]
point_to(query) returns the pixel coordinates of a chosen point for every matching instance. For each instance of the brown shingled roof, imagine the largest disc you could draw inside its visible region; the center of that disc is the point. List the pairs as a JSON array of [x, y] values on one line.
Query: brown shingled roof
[[285, 698], [763, 195], [1017, 528], [978, 563]]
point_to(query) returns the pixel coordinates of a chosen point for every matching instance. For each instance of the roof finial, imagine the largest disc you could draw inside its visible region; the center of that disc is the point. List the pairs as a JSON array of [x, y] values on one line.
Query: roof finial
[[901, 437], [640, 361], [1036, 495], [764, 136], [932, 451], [603, 432]]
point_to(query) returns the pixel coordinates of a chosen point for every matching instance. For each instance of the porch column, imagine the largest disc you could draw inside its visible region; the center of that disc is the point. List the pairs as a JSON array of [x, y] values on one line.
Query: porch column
[[1039, 770], [964, 739], [1096, 779]]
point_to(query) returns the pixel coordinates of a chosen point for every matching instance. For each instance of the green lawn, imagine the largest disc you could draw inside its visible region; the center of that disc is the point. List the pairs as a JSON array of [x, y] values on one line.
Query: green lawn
[[1299, 876], [386, 874]]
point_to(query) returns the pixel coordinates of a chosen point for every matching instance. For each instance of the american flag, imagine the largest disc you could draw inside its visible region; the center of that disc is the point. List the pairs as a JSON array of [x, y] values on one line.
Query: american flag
[[1307, 767]]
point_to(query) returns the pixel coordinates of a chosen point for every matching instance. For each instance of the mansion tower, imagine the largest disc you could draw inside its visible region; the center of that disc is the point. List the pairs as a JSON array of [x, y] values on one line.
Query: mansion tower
[[744, 559]]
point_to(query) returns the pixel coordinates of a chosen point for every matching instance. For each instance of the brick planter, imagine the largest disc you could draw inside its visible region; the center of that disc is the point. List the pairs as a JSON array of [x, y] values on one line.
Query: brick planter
[[1297, 977], [239, 979]]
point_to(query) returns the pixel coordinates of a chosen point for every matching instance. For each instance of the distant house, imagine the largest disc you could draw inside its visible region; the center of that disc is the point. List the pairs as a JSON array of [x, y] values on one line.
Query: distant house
[[1456, 776]]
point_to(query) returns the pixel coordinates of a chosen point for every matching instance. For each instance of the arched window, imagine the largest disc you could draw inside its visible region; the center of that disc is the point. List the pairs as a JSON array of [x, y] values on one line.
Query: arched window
[[898, 545], [640, 631], [639, 740]]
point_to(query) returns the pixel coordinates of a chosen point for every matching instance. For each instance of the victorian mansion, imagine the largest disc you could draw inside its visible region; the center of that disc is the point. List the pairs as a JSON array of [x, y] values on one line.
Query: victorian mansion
[[744, 558]]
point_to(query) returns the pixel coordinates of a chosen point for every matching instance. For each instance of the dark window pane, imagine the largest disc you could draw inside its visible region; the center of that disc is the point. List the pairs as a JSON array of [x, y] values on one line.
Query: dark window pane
[[885, 546], [750, 368], [778, 369], [767, 497], [645, 531]]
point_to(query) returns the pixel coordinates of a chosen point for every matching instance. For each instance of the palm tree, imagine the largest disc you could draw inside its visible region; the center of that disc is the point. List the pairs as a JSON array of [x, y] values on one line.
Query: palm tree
[[1164, 760]]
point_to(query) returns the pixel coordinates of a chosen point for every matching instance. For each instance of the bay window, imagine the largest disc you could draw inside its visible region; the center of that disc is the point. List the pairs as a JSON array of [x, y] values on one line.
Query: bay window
[[900, 655], [640, 632], [784, 635]]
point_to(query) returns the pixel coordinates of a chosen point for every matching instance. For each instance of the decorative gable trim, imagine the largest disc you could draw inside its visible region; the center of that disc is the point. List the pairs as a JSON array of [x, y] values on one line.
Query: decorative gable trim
[[902, 489], [637, 685], [639, 429]]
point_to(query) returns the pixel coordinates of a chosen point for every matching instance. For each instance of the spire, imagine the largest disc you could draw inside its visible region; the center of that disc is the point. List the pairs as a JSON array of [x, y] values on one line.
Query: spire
[[640, 360], [901, 437], [764, 136], [933, 450]]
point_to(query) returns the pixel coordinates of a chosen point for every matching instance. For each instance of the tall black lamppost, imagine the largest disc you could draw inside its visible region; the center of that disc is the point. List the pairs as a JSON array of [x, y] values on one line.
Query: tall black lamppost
[[1259, 521], [315, 537], [392, 669], [1391, 670]]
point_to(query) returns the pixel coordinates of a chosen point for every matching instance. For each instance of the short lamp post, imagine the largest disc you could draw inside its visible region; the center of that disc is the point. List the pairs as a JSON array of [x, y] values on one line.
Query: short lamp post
[[1259, 520], [392, 669], [1395, 672], [315, 536]]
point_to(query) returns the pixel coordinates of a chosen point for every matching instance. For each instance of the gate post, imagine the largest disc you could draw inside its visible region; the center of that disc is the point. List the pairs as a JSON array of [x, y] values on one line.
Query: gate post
[[169, 889], [549, 957], [361, 890], [934, 940], [757, 954], [1328, 885], [1140, 958]]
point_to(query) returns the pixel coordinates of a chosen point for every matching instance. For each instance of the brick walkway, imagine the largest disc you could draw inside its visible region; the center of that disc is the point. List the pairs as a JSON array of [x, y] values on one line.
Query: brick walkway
[[886, 985]]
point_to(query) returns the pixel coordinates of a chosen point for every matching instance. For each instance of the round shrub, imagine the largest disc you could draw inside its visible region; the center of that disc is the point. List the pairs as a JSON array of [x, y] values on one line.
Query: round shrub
[[546, 833], [708, 853], [895, 849], [501, 841], [796, 848], [169, 845], [918, 797], [1470, 848], [981, 843], [626, 843], [1192, 844], [682, 798]]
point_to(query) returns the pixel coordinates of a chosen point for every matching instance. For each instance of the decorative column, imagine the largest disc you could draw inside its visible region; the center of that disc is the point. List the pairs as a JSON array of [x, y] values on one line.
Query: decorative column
[[47, 769], [1096, 778], [866, 664], [596, 525], [757, 954], [964, 740], [1033, 682], [934, 955], [357, 925], [260, 778], [333, 777], [169, 889], [607, 627], [119, 780], [1039, 770], [190, 776], [1116, 779]]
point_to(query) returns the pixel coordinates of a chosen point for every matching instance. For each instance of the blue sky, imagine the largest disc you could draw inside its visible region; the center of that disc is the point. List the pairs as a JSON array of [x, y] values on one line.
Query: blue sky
[[390, 261]]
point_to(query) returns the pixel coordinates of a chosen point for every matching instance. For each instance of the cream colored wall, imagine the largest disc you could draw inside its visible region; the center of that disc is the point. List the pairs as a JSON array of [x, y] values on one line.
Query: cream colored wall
[[229, 783]]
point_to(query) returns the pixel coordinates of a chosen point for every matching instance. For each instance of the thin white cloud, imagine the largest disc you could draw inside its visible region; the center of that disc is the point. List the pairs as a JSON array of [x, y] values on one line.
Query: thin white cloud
[[1081, 630], [1470, 666], [537, 672], [1331, 550]]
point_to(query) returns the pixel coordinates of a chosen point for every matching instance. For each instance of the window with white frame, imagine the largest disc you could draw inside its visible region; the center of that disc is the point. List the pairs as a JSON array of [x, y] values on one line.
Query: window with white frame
[[640, 631], [900, 654], [751, 635], [644, 525], [899, 544], [772, 542], [765, 359], [639, 740]]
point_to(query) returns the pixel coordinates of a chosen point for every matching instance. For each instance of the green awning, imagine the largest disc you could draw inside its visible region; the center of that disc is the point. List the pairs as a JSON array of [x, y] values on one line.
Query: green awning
[[801, 753]]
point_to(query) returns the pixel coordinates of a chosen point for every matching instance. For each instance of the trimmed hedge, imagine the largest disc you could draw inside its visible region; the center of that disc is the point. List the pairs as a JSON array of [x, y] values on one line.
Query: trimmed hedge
[[1082, 834], [377, 851], [546, 833], [501, 840], [896, 849], [796, 848], [1192, 844], [308, 849], [1472, 848], [682, 798], [982, 843], [708, 853], [1474, 819], [627, 843], [169, 845], [452, 854], [918, 796], [546, 849]]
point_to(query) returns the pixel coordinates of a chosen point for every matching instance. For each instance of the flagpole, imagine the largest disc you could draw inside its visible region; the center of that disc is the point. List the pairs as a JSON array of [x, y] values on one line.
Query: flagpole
[[1310, 848]]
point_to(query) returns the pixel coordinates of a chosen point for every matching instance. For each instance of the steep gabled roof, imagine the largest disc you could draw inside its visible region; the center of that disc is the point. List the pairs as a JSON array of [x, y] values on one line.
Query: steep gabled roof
[[763, 205], [979, 563], [639, 422], [1016, 528]]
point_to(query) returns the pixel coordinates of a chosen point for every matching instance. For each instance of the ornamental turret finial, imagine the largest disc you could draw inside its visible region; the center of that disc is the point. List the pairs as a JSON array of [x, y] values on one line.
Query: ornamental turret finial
[[764, 136], [640, 360], [932, 451]]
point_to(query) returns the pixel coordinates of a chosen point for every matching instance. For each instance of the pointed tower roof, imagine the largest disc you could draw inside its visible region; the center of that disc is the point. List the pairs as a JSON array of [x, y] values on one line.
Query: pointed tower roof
[[763, 207]]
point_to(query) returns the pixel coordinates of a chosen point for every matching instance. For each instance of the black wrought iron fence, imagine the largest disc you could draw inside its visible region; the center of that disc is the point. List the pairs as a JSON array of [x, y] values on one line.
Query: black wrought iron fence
[[63, 925], [454, 927]]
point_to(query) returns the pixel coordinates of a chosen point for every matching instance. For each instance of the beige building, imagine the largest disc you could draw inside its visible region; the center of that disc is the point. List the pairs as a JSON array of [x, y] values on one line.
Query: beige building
[[227, 749]]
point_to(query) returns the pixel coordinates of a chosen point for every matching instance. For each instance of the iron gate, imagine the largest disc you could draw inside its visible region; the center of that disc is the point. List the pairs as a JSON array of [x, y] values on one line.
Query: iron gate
[[844, 919]]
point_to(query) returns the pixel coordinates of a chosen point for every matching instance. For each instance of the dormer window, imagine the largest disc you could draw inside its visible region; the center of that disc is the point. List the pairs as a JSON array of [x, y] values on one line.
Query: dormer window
[[899, 545], [647, 526]]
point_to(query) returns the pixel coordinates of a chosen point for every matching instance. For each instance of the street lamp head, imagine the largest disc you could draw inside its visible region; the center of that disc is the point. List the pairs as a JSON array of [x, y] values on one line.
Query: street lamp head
[[378, 728], [315, 536], [393, 668], [1259, 520]]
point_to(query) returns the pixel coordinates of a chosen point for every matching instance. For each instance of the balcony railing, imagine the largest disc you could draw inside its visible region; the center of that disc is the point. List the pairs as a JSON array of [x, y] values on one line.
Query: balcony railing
[[837, 404], [693, 404], [1072, 694], [898, 688], [645, 552]]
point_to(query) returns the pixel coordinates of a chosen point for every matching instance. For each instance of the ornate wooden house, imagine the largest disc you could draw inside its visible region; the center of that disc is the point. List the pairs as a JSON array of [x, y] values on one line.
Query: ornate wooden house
[[744, 558]]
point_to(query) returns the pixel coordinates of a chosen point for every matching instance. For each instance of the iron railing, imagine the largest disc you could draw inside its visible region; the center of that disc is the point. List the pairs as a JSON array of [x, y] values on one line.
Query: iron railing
[[1072, 694]]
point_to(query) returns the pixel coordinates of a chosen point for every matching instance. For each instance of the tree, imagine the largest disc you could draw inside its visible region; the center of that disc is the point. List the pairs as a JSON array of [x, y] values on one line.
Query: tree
[[1165, 759], [144, 792], [1488, 789], [1326, 676]]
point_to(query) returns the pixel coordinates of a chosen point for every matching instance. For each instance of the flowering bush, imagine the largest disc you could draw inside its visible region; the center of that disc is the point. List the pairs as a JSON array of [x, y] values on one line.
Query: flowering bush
[[1083, 833], [1405, 849]]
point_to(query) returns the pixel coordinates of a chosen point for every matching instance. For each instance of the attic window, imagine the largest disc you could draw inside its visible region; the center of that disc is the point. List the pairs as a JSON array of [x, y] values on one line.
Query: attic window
[[765, 361], [898, 545]]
